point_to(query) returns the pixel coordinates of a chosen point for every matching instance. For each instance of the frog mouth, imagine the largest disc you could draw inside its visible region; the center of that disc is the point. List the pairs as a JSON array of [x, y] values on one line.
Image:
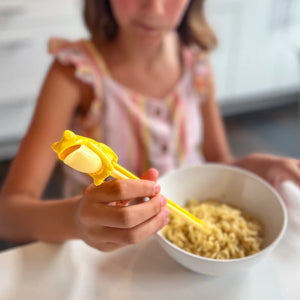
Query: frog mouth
[[82, 159]]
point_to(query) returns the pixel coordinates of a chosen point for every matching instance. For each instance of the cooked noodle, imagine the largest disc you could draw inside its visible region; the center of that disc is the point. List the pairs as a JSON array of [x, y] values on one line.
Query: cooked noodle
[[234, 233]]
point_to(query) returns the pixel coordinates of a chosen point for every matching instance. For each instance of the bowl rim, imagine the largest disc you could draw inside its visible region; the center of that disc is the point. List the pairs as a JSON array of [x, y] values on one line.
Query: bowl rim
[[273, 244]]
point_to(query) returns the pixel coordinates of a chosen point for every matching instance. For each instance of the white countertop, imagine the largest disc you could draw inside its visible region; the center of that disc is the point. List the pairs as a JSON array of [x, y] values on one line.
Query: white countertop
[[74, 270]]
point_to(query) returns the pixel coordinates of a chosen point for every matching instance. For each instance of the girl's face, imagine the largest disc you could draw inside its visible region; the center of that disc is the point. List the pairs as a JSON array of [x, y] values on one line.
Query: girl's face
[[148, 18]]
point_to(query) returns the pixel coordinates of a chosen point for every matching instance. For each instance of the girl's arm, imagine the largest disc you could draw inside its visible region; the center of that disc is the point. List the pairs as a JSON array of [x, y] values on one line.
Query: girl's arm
[[273, 168], [215, 144], [24, 217]]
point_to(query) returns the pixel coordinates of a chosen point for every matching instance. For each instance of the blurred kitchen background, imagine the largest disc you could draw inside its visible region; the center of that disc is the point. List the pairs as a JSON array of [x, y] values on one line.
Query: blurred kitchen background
[[257, 70]]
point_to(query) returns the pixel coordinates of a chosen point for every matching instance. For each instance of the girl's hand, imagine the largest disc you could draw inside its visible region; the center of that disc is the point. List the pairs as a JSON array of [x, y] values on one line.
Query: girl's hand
[[107, 227], [274, 169]]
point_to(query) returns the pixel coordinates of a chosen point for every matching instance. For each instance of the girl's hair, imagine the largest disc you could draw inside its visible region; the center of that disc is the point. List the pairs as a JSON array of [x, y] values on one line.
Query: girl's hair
[[193, 29]]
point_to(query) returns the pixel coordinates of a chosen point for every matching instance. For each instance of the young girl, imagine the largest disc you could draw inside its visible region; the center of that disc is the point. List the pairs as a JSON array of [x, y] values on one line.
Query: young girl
[[142, 85]]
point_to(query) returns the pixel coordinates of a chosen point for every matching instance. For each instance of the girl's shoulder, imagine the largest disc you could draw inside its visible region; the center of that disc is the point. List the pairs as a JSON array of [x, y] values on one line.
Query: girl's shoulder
[[66, 50], [57, 45]]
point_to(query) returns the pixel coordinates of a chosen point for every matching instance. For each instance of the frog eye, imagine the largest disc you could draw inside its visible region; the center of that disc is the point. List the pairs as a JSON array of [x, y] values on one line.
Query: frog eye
[[69, 135]]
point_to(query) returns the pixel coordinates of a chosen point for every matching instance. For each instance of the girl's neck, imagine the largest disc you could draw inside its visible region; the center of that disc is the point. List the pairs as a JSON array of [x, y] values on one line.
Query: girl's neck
[[135, 52]]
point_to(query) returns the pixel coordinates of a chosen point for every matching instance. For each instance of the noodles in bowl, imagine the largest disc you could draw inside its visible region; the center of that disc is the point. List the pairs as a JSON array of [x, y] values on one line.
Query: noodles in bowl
[[234, 233], [246, 224]]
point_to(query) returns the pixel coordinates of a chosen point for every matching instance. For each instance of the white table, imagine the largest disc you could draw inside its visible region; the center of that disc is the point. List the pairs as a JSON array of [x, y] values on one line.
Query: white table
[[74, 270]]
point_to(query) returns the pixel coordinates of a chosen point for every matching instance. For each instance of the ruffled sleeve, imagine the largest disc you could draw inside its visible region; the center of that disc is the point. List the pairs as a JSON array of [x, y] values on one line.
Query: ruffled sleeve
[[198, 62], [78, 54]]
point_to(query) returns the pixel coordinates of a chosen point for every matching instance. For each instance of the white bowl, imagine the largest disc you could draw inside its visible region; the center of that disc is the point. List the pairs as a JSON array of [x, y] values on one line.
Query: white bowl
[[233, 186]]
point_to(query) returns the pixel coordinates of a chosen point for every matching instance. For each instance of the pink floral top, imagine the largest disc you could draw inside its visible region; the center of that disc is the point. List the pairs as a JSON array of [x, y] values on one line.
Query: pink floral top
[[144, 132]]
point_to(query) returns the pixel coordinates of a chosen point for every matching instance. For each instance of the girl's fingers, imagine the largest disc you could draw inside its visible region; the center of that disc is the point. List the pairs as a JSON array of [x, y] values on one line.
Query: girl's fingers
[[120, 190], [293, 173], [288, 169], [151, 174], [138, 233], [123, 217]]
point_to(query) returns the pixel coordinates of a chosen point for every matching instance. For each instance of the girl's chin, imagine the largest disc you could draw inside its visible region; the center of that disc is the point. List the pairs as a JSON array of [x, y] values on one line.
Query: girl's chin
[[148, 38]]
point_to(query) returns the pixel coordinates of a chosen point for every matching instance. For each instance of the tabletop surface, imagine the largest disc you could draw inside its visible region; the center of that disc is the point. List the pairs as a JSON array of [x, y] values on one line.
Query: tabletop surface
[[74, 270]]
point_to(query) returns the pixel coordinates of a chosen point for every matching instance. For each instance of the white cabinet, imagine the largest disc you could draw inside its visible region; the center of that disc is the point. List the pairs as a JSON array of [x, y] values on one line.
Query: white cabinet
[[267, 60], [257, 55], [225, 19], [25, 27]]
